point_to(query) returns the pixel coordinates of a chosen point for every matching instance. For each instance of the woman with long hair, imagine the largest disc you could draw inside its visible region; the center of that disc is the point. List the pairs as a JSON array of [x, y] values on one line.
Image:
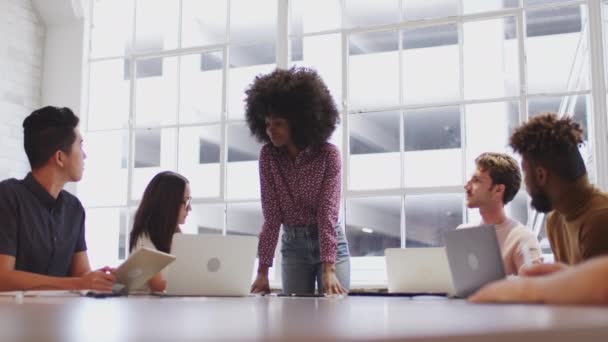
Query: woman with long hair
[[293, 113], [163, 207]]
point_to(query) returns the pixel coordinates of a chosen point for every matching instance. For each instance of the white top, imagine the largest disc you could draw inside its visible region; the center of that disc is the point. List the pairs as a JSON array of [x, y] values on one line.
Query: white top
[[144, 241], [518, 245]]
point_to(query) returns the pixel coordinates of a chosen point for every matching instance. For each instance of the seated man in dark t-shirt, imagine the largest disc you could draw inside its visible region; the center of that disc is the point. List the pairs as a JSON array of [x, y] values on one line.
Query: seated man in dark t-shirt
[[42, 244]]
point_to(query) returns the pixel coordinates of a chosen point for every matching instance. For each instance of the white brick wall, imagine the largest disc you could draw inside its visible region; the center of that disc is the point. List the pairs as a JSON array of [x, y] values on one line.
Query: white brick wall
[[21, 49]]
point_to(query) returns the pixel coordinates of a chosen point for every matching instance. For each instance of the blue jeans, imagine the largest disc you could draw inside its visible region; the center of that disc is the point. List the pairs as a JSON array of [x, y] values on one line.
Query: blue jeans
[[301, 267]]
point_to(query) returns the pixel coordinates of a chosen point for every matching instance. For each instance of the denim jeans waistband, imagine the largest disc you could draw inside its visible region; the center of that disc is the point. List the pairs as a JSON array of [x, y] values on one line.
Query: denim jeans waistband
[[301, 231]]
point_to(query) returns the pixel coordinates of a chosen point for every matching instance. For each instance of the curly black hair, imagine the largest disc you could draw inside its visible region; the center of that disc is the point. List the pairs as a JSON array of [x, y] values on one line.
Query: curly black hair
[[552, 142], [297, 95]]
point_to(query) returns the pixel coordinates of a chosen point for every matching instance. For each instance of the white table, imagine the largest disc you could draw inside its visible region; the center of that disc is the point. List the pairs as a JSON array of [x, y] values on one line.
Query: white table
[[292, 319]]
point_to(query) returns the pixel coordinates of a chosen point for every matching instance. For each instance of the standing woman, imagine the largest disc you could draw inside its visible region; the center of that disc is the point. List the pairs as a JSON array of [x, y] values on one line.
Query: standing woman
[[293, 112], [163, 207]]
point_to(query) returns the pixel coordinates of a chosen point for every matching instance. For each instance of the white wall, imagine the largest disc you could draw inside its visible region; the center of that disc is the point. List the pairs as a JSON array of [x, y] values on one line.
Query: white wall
[[62, 66], [61, 82], [22, 37]]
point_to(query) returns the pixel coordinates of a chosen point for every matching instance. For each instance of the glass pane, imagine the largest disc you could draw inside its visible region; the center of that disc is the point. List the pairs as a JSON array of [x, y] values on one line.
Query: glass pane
[[244, 219], [108, 81], [154, 152], [203, 22], [323, 54], [605, 35], [314, 16], [199, 159], [106, 164], [432, 142], [373, 224], [243, 174], [475, 6], [488, 128], [246, 62], [577, 106], [557, 50], [491, 64], [374, 151], [201, 84], [157, 25], [247, 219], [518, 209], [373, 69], [428, 9], [156, 95], [253, 20], [431, 51], [428, 217], [358, 13], [103, 233], [204, 219], [112, 27], [336, 138]]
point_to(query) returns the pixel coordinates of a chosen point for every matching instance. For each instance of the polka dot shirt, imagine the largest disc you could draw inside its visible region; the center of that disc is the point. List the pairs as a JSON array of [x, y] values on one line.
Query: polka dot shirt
[[302, 192]]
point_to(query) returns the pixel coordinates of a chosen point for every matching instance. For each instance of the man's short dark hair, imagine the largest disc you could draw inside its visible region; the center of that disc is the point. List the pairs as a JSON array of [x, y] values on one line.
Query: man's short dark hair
[[551, 142], [46, 131], [297, 95], [503, 169]]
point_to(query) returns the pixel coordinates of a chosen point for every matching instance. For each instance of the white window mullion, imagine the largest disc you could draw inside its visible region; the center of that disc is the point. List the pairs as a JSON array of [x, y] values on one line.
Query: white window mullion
[[345, 127], [462, 107], [131, 122], [523, 71], [224, 119], [282, 32], [178, 85], [599, 122]]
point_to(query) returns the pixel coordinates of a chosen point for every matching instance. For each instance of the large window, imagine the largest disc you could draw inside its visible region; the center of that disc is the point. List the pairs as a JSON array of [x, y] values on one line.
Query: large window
[[423, 87], [166, 88]]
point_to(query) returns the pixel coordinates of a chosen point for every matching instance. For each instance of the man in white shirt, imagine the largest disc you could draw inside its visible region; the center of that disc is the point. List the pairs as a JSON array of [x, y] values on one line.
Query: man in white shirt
[[495, 183]]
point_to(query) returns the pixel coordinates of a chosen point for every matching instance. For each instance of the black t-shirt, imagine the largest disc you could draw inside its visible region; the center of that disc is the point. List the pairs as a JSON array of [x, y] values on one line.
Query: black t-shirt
[[41, 232]]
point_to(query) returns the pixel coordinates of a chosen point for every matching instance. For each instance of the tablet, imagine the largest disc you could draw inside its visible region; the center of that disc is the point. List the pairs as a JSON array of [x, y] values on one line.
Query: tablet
[[140, 267]]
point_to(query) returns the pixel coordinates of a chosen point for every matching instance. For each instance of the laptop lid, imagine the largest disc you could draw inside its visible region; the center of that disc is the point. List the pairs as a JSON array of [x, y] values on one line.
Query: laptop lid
[[418, 270], [474, 258], [211, 265]]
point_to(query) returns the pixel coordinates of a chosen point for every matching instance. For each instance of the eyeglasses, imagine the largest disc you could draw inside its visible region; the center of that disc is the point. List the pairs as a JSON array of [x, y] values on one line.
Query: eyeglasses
[[187, 202]]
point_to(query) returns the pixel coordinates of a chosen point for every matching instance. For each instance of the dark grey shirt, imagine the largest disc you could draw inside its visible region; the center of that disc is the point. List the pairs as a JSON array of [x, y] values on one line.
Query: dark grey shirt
[[41, 232]]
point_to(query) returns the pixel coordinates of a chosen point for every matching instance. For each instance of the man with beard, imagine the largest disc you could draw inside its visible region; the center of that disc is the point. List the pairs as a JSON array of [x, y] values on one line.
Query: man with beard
[[577, 225], [494, 184], [556, 180]]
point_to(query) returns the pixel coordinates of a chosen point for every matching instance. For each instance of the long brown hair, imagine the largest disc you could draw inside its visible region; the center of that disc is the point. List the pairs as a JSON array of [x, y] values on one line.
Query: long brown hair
[[158, 210]]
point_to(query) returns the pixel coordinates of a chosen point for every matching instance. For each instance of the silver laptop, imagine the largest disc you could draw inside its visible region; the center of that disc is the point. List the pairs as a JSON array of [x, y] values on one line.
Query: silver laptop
[[474, 258], [418, 271], [211, 265]]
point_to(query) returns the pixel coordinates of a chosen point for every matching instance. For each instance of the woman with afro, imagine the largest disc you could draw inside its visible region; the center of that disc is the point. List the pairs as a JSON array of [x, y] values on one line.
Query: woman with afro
[[293, 113]]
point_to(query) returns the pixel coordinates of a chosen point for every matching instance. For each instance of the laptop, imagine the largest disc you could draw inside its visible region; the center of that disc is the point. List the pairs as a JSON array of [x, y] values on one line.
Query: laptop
[[211, 265], [474, 258], [418, 271]]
